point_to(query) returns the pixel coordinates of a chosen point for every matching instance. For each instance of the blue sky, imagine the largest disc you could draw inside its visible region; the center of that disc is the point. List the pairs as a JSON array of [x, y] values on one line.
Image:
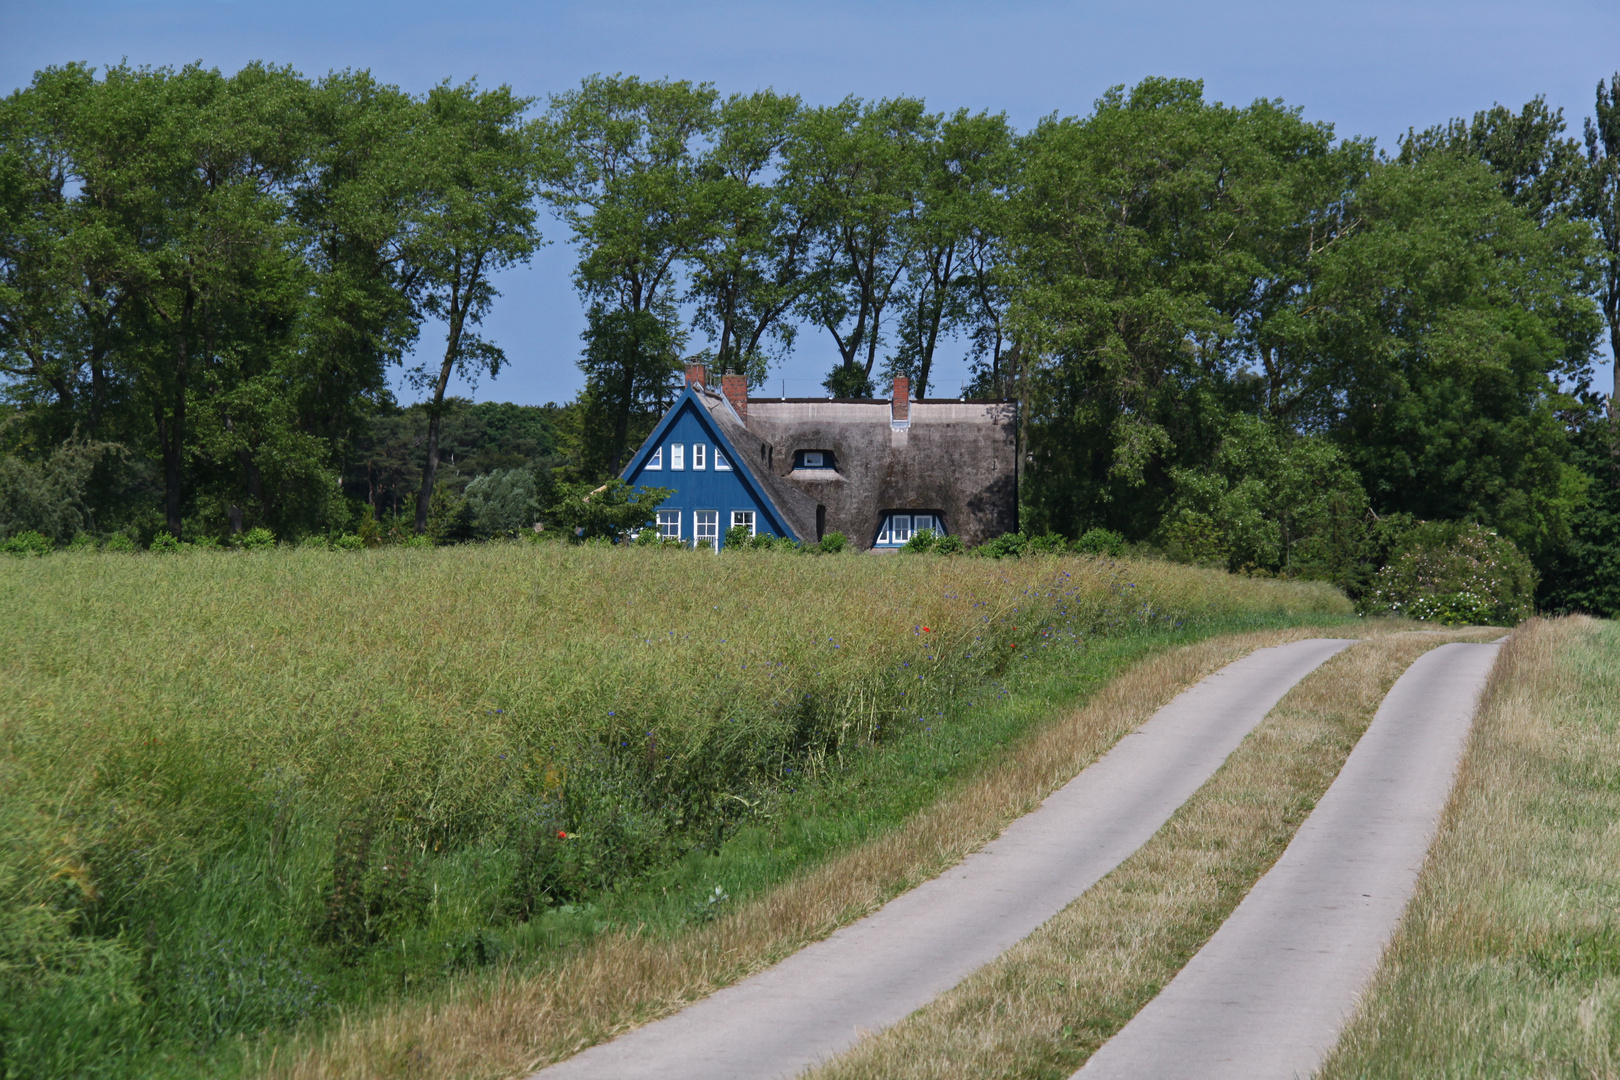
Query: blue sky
[[1369, 68]]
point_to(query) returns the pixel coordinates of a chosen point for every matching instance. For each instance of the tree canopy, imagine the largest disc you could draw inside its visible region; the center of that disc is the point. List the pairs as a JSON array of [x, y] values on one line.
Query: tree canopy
[[1233, 334]]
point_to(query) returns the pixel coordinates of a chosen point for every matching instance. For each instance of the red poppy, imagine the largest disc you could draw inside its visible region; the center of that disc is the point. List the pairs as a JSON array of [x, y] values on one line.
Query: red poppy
[[1012, 645], [561, 835], [927, 631]]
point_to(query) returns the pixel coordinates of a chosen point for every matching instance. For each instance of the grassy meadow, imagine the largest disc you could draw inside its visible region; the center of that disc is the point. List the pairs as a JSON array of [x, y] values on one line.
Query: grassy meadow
[[242, 793]]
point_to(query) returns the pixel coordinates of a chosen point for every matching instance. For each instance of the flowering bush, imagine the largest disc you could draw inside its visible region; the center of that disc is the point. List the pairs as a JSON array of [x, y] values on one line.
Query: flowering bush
[[1457, 574]]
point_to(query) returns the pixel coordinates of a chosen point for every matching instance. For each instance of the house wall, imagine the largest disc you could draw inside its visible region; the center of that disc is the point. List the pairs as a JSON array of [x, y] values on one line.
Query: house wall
[[706, 489], [957, 459]]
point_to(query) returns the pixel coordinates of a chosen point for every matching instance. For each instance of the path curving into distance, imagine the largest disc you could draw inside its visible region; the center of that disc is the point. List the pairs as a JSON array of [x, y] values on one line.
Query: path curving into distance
[[874, 972], [1267, 995]]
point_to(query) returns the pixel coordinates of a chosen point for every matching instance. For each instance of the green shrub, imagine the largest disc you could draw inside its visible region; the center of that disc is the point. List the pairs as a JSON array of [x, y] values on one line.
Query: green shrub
[[259, 539], [165, 543], [1100, 542], [349, 542], [1047, 544], [1455, 573], [950, 545], [120, 542], [922, 541], [26, 544], [737, 537], [504, 502], [1007, 544], [833, 543], [767, 542], [315, 542], [82, 541]]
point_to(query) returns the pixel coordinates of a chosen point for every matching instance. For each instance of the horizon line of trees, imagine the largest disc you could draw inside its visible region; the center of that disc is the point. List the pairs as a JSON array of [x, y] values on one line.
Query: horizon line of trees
[[1232, 334]]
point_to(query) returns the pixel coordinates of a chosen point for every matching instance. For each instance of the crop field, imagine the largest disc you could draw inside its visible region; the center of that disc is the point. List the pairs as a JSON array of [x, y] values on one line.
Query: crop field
[[241, 793]]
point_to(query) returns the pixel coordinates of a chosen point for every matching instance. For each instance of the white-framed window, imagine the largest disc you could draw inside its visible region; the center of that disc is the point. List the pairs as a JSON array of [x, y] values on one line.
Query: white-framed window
[[744, 518], [814, 459], [706, 528], [677, 456], [699, 452], [655, 460], [898, 528], [721, 462], [669, 524]]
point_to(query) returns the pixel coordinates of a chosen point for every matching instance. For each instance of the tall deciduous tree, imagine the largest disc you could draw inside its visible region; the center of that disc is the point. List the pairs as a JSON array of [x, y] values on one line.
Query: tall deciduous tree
[[1150, 243], [626, 181], [952, 232], [859, 169], [751, 265], [479, 170], [1602, 206]]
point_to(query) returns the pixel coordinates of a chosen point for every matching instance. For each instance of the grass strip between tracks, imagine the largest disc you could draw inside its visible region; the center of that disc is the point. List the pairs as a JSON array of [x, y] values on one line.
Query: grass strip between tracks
[[1049, 1002], [518, 1020], [1507, 962]]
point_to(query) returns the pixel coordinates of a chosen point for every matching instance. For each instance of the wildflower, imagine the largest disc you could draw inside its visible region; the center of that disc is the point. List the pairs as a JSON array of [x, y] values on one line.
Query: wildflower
[[926, 630], [561, 835]]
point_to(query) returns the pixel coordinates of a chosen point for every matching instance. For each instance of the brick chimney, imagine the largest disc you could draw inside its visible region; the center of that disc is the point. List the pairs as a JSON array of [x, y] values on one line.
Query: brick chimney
[[900, 402], [735, 387], [697, 374]]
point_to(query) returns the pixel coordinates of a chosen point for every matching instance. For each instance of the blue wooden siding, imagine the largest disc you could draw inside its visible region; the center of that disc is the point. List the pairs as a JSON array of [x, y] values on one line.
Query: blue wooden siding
[[696, 490]]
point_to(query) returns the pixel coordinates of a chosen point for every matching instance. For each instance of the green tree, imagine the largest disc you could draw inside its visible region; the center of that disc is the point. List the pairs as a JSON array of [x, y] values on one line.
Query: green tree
[[751, 265], [626, 181], [480, 166], [1272, 500], [1449, 323], [952, 234], [859, 169], [1601, 203], [630, 360], [1156, 250]]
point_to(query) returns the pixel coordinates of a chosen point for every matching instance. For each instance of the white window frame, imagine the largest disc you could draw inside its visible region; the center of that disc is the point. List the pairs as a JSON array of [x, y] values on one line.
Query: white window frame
[[667, 518], [699, 456], [889, 536], [721, 462], [712, 538], [750, 520], [677, 456], [820, 461], [655, 461]]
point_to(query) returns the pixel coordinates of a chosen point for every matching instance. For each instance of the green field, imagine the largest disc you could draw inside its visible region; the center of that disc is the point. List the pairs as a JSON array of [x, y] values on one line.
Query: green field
[[242, 792]]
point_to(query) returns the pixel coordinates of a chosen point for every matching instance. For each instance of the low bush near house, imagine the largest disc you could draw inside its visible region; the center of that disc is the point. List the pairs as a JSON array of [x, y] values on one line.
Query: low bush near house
[[26, 544]]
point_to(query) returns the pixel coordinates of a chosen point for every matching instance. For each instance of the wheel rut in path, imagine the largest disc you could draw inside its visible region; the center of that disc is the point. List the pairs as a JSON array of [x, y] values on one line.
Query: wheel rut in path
[[1267, 995], [874, 972]]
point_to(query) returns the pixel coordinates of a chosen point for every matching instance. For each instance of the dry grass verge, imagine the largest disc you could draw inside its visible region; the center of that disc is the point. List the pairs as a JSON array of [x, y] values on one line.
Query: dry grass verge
[[1508, 960], [1048, 1003], [510, 1025]]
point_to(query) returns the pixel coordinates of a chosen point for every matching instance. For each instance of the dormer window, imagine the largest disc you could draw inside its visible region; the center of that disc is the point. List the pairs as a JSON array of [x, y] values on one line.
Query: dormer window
[[813, 459], [656, 461]]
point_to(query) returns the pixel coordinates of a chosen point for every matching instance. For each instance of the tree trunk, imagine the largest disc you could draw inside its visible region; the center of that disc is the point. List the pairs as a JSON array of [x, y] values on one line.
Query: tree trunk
[[430, 471], [172, 427]]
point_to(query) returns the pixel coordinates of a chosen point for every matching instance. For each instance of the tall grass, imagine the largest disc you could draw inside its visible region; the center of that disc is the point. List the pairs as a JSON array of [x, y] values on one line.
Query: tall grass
[[236, 789]]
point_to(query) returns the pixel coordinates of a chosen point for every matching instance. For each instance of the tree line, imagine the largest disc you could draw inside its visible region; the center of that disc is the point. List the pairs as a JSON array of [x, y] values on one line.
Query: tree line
[[1233, 334]]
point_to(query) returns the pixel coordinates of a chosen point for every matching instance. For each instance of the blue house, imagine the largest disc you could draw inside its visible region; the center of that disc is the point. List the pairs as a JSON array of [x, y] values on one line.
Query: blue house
[[692, 451], [877, 471]]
